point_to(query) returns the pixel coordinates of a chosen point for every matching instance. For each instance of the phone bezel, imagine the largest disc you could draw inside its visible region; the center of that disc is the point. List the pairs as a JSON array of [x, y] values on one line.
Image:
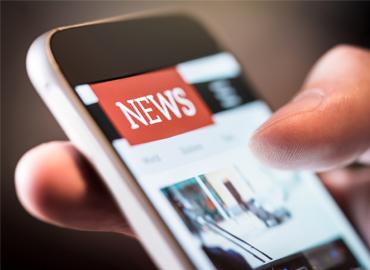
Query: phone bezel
[[135, 46]]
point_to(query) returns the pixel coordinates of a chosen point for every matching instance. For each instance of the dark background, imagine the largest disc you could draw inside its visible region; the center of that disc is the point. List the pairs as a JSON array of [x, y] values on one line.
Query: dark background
[[276, 42]]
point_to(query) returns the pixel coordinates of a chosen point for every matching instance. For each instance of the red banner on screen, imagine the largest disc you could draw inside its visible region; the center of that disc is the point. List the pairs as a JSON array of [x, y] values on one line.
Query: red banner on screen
[[152, 106]]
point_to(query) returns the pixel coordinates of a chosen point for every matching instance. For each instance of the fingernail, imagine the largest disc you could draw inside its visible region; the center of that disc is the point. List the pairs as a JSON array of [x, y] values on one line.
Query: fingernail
[[308, 101]]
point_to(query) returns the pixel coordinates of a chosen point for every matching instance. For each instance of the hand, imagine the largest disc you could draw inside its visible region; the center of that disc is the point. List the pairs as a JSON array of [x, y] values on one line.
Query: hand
[[326, 126], [58, 185]]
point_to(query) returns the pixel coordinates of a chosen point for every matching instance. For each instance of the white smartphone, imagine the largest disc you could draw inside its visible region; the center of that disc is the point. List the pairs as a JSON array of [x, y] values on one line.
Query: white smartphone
[[164, 113]]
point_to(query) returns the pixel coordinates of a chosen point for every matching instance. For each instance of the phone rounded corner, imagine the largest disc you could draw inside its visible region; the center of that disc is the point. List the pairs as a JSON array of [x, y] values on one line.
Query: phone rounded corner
[[39, 60]]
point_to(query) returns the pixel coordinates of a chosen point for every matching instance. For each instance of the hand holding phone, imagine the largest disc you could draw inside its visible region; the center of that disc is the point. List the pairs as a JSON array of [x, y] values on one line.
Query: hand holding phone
[[225, 203]]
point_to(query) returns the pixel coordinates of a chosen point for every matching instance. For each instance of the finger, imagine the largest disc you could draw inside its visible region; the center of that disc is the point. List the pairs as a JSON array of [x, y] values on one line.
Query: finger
[[57, 184], [327, 124], [351, 189]]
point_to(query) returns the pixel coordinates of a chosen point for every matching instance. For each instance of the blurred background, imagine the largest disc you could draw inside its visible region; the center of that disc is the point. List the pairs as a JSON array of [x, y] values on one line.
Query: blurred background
[[277, 44]]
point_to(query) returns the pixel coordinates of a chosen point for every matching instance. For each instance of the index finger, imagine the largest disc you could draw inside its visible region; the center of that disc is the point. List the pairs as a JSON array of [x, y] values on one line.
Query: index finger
[[328, 124]]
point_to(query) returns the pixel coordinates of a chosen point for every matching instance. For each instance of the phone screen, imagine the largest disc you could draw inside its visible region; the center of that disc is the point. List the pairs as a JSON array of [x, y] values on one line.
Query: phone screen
[[183, 132]]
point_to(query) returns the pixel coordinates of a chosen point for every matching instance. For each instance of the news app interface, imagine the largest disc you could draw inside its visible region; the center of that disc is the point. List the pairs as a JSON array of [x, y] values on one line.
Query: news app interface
[[183, 131]]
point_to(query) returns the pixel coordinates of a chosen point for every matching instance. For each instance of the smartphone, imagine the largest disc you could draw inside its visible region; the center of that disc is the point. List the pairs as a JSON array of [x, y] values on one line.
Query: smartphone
[[164, 113]]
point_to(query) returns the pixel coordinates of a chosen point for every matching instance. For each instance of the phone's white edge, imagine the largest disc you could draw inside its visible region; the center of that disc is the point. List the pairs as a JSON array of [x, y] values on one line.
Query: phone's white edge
[[84, 133]]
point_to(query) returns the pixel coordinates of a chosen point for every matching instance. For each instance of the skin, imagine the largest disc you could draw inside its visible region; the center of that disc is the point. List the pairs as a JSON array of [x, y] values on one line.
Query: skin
[[325, 128]]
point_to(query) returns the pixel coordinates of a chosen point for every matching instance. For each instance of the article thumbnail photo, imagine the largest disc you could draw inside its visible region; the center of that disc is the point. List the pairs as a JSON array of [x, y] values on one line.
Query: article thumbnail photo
[[222, 210], [217, 197]]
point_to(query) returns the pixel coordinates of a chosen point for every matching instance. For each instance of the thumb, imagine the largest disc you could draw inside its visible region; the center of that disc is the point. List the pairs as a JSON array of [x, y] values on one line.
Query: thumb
[[328, 123]]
